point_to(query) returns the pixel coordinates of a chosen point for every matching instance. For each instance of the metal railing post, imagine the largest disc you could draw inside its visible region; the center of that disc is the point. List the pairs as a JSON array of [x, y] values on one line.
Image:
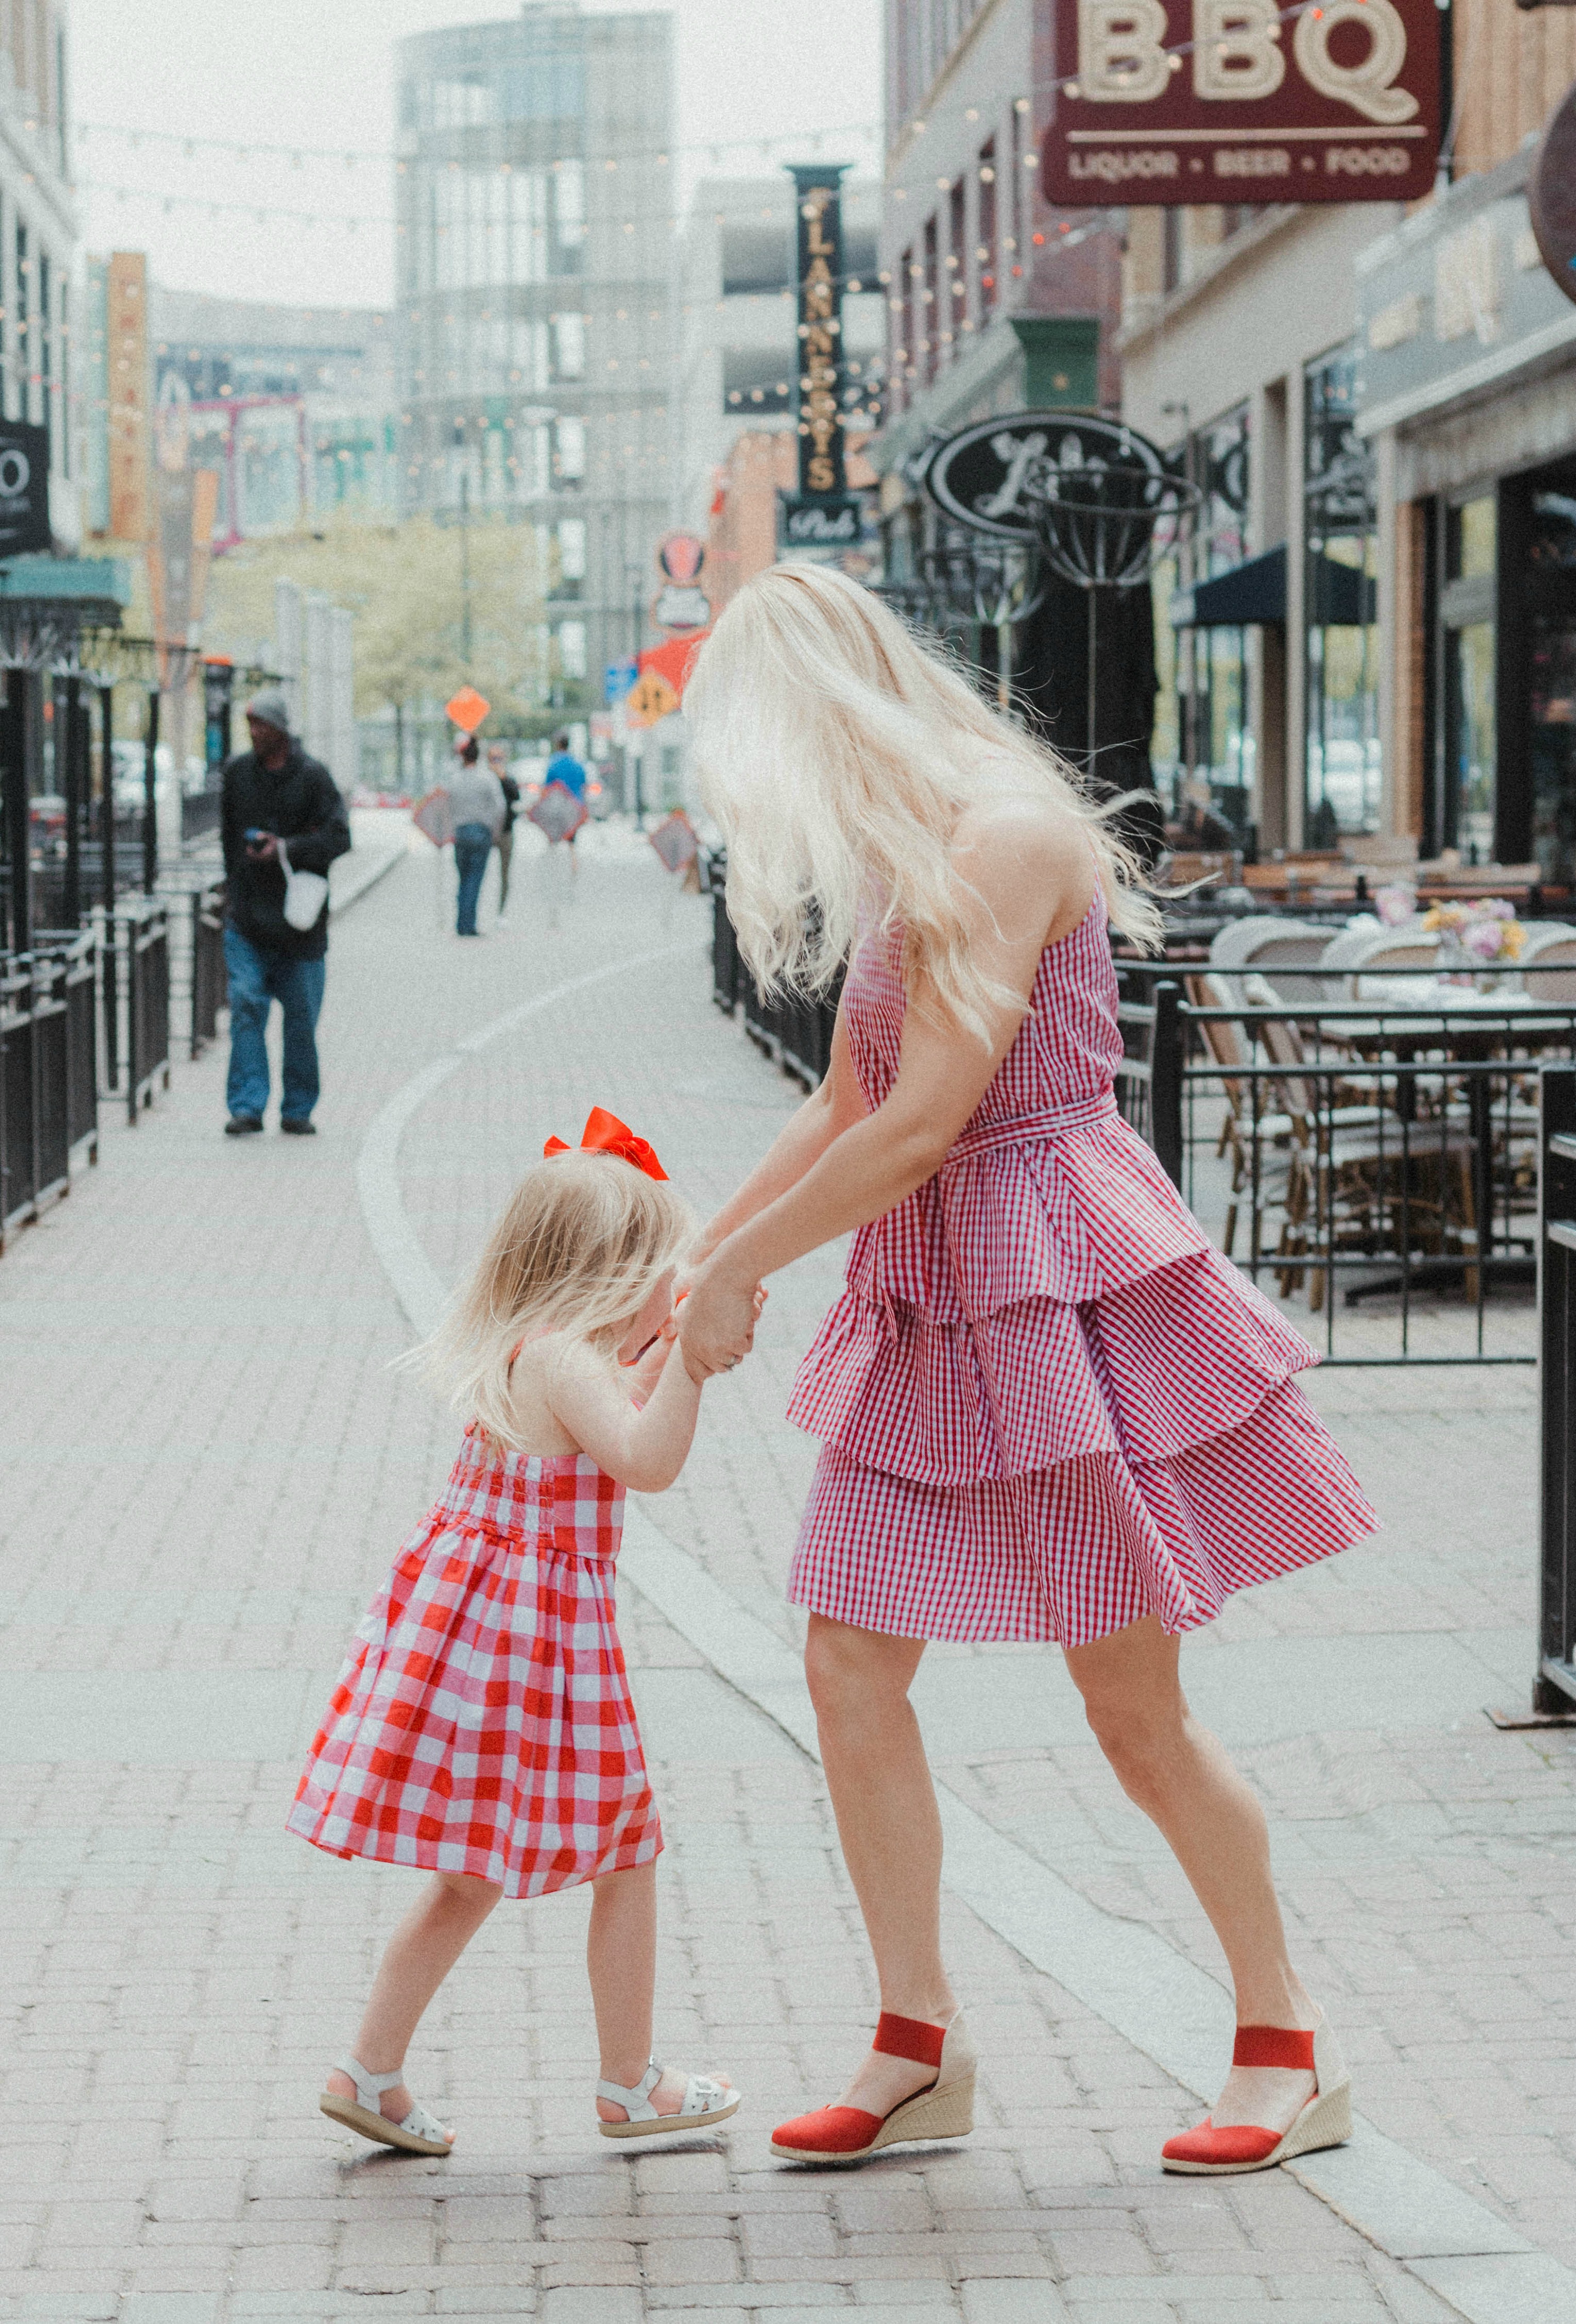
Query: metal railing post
[[107, 794], [1165, 1080], [1554, 1685], [150, 796]]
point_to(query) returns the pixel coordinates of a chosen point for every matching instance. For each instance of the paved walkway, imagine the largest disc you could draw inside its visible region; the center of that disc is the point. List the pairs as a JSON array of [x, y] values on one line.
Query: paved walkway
[[207, 1465]]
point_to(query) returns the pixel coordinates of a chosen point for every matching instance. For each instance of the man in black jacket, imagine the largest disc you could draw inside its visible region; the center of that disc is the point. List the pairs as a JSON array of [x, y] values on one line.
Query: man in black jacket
[[275, 792]]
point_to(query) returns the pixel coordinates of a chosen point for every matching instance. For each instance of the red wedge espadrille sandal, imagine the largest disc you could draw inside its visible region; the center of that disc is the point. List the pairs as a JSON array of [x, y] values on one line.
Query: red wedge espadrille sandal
[[944, 2109], [1325, 2121]]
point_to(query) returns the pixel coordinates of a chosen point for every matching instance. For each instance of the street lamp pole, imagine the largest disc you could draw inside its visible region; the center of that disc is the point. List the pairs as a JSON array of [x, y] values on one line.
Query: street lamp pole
[[635, 574], [465, 567]]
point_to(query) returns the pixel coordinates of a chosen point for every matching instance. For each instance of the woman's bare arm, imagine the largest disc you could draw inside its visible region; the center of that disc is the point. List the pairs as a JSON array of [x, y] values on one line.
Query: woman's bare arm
[[1028, 875], [797, 1148]]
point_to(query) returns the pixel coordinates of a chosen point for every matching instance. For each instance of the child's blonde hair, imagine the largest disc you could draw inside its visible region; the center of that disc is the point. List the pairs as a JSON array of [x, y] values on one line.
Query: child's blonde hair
[[836, 750], [584, 1241]]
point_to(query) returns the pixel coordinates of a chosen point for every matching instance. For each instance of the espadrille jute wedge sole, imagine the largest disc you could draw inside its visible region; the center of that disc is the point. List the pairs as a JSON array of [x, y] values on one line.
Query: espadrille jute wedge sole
[[1210, 2151], [843, 2133]]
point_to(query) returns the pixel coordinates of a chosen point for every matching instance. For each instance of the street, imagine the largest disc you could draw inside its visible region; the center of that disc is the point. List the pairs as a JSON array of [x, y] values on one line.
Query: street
[[208, 1464]]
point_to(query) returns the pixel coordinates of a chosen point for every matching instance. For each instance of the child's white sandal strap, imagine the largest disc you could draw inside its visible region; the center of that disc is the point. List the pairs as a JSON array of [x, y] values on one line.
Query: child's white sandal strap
[[370, 2087], [636, 2102], [702, 2094]]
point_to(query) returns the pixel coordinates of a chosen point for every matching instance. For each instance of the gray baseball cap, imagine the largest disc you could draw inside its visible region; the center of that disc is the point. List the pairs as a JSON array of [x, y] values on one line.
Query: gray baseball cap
[[271, 708]]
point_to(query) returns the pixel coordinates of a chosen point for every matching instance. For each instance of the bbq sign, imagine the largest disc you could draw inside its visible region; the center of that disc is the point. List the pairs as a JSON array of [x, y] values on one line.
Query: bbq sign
[[1184, 101]]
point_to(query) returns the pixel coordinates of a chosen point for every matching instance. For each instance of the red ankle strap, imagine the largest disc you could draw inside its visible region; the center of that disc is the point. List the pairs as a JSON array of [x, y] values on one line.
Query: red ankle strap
[[1273, 2045], [909, 2037]]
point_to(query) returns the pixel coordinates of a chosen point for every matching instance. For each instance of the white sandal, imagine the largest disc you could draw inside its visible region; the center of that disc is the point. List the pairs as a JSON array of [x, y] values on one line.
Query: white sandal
[[706, 2104], [420, 2133]]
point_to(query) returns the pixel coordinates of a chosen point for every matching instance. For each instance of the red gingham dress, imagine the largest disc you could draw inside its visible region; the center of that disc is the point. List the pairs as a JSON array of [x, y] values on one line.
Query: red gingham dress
[[483, 1720], [1047, 1406]]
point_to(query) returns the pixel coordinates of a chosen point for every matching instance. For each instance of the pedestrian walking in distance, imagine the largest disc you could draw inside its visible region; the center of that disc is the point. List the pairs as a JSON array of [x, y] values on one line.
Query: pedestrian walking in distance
[[564, 768], [1049, 1410], [481, 1730], [274, 795], [511, 790], [476, 802]]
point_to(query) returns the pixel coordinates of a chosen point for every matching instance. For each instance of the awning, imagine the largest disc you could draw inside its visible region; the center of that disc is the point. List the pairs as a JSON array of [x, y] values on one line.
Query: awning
[[1251, 593], [1338, 596]]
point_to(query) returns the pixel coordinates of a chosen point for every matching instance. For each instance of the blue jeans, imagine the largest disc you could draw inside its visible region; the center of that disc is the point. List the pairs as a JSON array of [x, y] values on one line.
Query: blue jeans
[[258, 979], [473, 844]]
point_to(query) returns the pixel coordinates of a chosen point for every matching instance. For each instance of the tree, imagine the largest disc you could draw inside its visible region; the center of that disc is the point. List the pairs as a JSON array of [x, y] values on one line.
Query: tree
[[404, 586]]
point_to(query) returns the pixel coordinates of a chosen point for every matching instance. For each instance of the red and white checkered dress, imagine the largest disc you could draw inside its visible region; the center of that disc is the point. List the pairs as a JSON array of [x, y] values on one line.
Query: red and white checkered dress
[[483, 1720], [1048, 1406]]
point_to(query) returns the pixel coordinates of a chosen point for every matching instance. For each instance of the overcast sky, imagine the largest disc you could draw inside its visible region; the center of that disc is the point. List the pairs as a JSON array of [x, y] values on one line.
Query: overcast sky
[[321, 71]]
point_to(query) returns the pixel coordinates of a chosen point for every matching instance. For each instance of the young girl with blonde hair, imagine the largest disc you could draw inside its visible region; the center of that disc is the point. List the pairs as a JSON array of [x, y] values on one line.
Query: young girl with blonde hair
[[1048, 1408], [481, 1730]]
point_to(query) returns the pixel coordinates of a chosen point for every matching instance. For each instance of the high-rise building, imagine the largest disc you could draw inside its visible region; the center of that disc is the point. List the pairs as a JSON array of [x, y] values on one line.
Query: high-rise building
[[38, 240], [294, 407], [535, 196]]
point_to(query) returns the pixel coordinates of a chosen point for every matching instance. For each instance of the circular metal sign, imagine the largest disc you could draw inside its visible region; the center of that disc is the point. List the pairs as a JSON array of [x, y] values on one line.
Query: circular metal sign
[[1551, 196], [982, 477]]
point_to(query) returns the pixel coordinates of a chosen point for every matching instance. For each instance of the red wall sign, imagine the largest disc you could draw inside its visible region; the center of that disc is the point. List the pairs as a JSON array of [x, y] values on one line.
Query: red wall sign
[[1174, 101]]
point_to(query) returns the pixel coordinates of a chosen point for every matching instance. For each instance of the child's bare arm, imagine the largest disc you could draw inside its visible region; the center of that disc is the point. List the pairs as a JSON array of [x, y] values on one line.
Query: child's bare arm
[[643, 1377], [644, 1450]]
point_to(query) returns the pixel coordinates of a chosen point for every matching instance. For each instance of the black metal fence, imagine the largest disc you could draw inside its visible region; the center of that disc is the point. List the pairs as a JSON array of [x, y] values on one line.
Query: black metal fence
[[796, 1033], [135, 992], [48, 1098], [1373, 1165], [1554, 1687], [209, 987]]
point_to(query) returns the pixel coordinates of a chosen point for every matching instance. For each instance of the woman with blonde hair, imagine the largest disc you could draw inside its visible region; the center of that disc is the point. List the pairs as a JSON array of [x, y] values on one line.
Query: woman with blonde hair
[[1048, 1408]]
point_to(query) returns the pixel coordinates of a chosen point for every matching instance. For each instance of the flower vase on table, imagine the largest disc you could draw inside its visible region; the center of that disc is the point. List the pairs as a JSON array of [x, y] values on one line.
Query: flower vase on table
[[1479, 944]]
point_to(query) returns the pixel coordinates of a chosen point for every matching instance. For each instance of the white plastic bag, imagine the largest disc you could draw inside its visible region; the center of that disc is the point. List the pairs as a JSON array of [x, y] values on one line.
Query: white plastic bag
[[305, 894]]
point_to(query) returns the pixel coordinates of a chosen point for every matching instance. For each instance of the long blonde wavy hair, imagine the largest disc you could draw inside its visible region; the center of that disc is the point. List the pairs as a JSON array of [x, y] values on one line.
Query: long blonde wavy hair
[[583, 1244], [837, 750]]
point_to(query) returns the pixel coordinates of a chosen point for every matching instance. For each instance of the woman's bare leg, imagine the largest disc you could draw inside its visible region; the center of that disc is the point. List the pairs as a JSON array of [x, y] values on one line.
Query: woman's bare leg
[[1179, 1774], [420, 1953], [889, 1828]]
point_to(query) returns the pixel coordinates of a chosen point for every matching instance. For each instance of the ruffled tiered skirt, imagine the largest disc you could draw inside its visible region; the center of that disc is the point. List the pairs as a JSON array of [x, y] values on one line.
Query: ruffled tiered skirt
[[1049, 1408]]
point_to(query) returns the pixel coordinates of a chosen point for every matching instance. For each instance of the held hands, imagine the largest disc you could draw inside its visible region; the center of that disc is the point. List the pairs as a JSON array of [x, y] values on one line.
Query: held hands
[[717, 1326]]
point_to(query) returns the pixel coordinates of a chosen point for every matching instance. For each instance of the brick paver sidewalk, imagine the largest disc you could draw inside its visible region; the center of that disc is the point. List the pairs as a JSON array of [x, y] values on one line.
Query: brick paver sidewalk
[[208, 1463]]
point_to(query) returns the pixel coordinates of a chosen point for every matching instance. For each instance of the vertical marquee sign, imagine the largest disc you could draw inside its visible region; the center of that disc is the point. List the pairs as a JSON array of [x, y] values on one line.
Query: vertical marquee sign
[[823, 513], [1184, 101]]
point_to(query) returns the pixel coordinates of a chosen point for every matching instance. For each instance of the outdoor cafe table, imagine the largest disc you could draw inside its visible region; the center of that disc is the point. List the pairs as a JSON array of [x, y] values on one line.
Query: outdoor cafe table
[[1460, 1024]]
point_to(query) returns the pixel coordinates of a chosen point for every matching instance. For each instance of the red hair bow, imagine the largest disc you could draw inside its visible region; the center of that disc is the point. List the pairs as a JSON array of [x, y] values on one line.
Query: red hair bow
[[605, 1133]]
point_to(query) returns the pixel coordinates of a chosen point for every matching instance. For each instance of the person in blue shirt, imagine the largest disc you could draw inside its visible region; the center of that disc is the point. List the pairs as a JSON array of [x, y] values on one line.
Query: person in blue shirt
[[564, 768]]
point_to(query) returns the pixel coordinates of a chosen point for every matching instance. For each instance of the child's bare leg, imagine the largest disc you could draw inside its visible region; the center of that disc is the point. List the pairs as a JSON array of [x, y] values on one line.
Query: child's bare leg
[[621, 1958], [420, 1953]]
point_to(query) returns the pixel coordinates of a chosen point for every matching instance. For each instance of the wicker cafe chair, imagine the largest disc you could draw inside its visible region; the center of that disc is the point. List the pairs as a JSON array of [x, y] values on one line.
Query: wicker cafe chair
[[1266, 943], [1548, 962], [1358, 1180], [1259, 1143], [1378, 950]]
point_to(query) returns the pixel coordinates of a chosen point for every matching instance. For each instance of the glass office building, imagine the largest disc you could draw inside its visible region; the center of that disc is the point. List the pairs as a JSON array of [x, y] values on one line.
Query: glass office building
[[535, 194]]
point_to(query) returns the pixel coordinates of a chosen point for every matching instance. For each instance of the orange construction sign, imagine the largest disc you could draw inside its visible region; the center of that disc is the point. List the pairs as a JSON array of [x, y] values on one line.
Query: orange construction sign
[[467, 708], [649, 698], [674, 661]]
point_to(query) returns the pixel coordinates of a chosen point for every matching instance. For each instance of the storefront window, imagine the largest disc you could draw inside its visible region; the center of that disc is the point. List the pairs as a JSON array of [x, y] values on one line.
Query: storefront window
[[1467, 608], [1469, 678], [1211, 677], [1340, 638], [1554, 681]]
